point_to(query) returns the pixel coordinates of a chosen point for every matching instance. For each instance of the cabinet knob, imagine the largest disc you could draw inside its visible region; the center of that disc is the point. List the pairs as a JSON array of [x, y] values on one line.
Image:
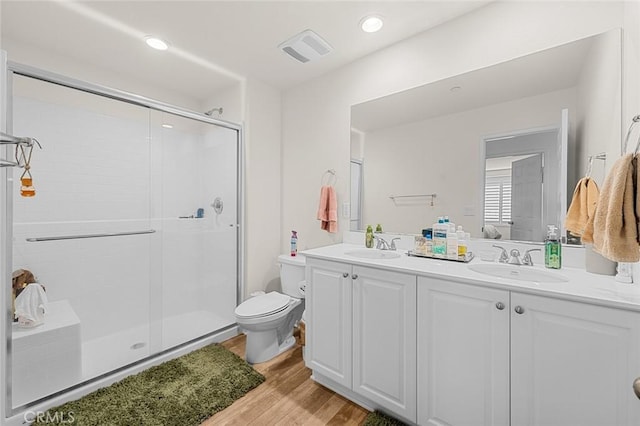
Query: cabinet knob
[[636, 387], [354, 276], [519, 310], [345, 274], [500, 306]]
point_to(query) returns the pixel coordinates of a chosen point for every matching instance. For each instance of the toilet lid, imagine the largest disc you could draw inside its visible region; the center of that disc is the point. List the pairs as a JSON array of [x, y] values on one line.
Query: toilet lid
[[263, 305]]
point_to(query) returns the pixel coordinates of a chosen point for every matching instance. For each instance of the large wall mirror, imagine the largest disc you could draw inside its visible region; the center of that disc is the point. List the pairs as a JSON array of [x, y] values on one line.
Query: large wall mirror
[[458, 146]]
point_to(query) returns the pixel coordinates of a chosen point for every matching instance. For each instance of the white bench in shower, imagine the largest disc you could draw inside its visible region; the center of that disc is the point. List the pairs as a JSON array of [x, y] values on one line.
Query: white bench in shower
[[47, 358]]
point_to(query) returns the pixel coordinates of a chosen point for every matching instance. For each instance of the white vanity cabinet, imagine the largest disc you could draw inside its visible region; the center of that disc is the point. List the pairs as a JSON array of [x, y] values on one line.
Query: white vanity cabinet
[[573, 363], [494, 357], [463, 354], [328, 304], [362, 333]]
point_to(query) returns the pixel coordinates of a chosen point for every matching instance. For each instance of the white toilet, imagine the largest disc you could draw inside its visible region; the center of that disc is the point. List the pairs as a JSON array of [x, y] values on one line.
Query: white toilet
[[268, 319]]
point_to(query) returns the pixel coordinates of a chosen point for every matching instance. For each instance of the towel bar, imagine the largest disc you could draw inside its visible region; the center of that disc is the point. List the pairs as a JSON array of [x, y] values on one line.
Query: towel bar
[[75, 237], [433, 196]]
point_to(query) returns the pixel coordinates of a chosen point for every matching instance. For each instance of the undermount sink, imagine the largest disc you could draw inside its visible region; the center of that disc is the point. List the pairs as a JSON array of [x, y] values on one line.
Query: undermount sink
[[373, 254], [520, 273]]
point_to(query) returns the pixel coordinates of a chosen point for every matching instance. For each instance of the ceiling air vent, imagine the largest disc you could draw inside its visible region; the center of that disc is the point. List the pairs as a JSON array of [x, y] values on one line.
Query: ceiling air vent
[[306, 46]]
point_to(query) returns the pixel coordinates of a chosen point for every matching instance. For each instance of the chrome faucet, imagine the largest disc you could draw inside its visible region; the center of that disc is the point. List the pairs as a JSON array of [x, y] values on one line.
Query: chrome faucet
[[503, 255], [514, 256], [382, 244], [526, 259]]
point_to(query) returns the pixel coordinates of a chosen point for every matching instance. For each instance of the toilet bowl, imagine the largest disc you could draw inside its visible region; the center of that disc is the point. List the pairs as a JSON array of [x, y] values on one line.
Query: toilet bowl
[[268, 319]]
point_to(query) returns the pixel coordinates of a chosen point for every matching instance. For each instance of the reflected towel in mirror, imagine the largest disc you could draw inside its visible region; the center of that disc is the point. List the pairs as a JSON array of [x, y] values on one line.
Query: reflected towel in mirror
[[491, 232], [583, 206]]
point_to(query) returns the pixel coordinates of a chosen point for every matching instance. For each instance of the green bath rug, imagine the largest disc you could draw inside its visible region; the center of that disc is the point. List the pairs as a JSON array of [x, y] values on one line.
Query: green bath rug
[[377, 418], [182, 392]]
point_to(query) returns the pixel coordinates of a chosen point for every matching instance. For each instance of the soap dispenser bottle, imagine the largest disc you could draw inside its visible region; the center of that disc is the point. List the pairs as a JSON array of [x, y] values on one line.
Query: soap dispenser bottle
[[368, 238], [552, 248]]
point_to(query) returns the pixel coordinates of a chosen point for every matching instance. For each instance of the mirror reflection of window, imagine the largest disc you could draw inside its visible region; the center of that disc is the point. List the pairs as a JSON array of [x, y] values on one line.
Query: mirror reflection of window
[[356, 194], [497, 197]]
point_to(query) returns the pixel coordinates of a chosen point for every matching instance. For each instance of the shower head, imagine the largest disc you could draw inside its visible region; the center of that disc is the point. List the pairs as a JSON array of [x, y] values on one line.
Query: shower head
[[212, 110]]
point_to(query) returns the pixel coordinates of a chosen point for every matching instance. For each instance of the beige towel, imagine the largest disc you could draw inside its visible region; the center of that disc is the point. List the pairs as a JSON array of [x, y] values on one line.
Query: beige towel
[[583, 206], [328, 209], [614, 226]]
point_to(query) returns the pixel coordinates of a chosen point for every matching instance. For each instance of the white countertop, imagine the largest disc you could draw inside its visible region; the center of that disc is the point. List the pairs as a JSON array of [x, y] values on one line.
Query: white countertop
[[582, 286]]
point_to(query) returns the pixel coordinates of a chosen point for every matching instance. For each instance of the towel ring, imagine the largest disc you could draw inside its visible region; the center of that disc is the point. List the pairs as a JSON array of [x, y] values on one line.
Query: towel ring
[[600, 156], [634, 120], [330, 176]]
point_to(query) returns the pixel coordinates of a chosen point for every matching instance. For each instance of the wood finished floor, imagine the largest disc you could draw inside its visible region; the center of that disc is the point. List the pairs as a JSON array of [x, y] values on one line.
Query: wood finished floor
[[287, 397]]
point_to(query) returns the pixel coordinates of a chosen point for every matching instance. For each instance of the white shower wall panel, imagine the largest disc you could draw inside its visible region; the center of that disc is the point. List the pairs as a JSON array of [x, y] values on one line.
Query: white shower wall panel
[[91, 177], [220, 245], [182, 276], [96, 168], [106, 280]]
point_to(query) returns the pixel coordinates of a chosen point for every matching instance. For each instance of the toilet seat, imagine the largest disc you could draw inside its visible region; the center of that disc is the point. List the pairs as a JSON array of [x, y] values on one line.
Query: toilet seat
[[263, 305]]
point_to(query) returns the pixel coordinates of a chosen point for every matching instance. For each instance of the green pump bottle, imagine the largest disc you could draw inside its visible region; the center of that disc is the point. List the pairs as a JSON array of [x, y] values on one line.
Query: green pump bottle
[[552, 248], [368, 238]]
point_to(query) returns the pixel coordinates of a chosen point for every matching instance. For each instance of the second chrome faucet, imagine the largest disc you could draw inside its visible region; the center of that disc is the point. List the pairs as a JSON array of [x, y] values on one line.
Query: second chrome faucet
[[513, 258], [382, 244]]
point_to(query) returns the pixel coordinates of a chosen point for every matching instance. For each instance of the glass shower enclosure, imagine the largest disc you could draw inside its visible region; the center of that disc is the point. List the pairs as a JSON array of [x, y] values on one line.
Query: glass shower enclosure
[[133, 232]]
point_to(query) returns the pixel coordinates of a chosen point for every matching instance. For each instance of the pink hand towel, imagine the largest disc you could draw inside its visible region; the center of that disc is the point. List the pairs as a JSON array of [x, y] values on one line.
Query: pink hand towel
[[323, 205], [328, 209], [332, 213]]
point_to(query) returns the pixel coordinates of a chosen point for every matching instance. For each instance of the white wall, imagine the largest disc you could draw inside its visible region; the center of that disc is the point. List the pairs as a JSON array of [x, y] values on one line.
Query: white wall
[[599, 104], [263, 228], [316, 128]]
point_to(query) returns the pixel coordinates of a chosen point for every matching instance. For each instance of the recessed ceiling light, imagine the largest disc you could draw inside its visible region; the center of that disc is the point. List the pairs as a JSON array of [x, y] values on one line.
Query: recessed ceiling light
[[167, 126], [156, 43], [371, 24]]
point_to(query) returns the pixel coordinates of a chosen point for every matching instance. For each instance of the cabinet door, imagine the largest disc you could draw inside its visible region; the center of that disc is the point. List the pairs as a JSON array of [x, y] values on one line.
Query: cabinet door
[[463, 354], [384, 339], [328, 305], [573, 363]]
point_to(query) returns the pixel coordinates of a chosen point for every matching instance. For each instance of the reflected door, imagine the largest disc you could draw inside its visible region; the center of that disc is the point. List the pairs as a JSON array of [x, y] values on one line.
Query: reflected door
[[526, 199]]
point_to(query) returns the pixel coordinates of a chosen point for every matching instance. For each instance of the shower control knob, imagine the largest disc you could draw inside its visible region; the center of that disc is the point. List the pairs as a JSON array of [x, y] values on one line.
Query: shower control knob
[[345, 274], [519, 310], [500, 306]]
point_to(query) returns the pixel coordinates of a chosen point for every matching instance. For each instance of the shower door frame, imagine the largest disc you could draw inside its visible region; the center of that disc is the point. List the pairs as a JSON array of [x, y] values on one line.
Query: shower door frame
[[7, 70]]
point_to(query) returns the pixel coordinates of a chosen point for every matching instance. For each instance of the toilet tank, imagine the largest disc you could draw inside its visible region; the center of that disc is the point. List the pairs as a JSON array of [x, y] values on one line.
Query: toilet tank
[[292, 274]]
